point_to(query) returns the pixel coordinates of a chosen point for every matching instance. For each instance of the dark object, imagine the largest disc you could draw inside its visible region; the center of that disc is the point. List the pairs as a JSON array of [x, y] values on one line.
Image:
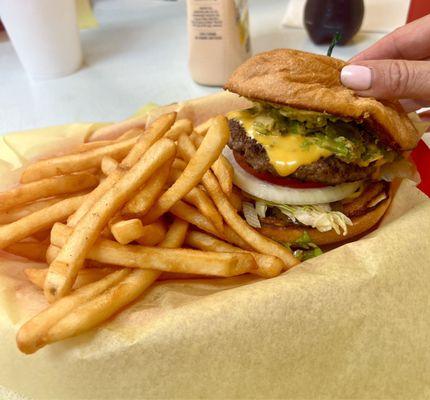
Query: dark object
[[325, 18], [336, 39], [330, 171]]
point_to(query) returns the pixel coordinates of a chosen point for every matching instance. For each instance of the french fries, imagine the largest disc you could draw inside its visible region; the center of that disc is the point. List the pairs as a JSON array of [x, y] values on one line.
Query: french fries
[[171, 260], [37, 221], [121, 128], [268, 266], [155, 131], [182, 126], [203, 127], [94, 303], [63, 270], [68, 164], [211, 147], [148, 195], [126, 231], [204, 204], [221, 167], [153, 234], [259, 242], [131, 229], [15, 213], [46, 188], [224, 173], [198, 198], [108, 165], [32, 334]]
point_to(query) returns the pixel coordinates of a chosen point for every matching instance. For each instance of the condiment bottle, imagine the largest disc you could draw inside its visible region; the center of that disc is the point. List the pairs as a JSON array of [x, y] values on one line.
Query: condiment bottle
[[325, 18], [219, 39]]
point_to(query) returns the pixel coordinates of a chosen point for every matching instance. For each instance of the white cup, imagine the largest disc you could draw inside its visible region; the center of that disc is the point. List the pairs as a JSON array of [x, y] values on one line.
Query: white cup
[[44, 34]]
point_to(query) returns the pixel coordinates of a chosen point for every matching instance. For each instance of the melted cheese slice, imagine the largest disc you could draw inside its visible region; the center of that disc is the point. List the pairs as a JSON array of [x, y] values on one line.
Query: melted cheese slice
[[287, 152]]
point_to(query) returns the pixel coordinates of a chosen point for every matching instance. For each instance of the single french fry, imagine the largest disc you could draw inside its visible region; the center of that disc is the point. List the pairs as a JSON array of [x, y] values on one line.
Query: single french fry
[[257, 241], [161, 259], [83, 147], [268, 266], [46, 188], [87, 314], [221, 167], [63, 270], [131, 133], [153, 234], [196, 138], [32, 334], [147, 195], [198, 198], [181, 126], [203, 127], [32, 250], [204, 204], [175, 235], [224, 173], [68, 164], [15, 213], [86, 275], [51, 253], [38, 221], [108, 165], [193, 216], [208, 152], [179, 164], [154, 132], [126, 231], [116, 130]]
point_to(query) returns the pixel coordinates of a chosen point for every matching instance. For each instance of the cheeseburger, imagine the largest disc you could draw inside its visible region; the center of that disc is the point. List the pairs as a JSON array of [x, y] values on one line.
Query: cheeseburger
[[310, 156]]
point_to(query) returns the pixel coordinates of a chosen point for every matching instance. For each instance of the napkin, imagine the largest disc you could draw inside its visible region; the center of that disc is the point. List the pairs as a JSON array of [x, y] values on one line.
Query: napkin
[[380, 15]]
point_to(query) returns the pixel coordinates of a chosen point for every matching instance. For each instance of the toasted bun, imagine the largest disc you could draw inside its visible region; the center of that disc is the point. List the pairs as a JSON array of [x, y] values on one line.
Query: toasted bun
[[310, 81], [361, 224]]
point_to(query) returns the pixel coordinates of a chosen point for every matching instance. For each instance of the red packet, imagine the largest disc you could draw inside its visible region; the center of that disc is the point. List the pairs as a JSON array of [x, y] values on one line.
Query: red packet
[[421, 155]]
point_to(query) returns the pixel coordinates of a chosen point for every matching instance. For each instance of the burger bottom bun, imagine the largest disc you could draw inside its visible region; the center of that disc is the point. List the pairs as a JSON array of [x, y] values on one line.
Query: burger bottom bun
[[360, 225]]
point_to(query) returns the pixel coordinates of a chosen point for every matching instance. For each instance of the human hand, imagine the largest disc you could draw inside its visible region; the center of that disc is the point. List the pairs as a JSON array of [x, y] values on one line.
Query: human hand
[[395, 67]]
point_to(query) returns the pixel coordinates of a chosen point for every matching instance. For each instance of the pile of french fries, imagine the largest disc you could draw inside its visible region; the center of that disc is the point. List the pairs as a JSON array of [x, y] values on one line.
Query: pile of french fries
[[114, 216]]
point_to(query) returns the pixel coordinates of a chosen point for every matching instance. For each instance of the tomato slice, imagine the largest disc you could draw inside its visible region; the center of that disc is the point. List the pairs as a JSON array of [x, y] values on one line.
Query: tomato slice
[[277, 180]]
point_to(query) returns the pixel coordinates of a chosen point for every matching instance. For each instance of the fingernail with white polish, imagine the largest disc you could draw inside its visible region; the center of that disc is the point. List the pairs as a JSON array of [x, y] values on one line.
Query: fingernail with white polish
[[356, 77]]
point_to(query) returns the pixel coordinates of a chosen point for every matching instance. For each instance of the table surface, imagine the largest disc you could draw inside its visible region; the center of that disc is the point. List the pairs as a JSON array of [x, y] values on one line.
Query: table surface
[[137, 55]]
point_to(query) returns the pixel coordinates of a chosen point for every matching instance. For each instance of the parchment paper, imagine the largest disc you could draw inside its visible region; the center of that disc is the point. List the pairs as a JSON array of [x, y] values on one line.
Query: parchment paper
[[352, 323]]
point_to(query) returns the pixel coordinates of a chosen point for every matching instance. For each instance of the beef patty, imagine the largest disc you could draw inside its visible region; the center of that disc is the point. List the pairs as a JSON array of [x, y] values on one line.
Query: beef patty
[[330, 170]]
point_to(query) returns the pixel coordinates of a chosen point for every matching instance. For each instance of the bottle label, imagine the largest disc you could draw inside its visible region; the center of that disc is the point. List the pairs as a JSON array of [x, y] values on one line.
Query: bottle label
[[207, 20]]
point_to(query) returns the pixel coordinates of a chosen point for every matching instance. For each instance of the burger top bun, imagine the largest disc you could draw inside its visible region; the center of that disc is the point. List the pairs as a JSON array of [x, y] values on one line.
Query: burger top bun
[[310, 81]]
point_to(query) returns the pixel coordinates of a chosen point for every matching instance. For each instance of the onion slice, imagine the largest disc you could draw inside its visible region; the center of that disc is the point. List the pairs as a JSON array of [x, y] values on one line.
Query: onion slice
[[285, 195]]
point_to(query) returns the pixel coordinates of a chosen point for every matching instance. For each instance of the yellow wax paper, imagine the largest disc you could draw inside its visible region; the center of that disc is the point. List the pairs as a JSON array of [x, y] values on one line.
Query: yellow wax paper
[[353, 323]]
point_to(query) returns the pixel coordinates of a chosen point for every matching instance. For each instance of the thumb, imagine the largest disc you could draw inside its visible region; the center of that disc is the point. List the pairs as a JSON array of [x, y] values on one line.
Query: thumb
[[389, 79]]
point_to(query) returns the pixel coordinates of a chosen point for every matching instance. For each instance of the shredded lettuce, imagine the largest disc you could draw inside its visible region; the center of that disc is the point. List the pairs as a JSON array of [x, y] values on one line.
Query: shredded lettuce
[[303, 248], [250, 214], [318, 216]]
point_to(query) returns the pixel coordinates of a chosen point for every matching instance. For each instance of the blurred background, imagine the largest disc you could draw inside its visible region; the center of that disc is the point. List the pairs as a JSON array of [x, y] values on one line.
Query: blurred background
[[137, 51]]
